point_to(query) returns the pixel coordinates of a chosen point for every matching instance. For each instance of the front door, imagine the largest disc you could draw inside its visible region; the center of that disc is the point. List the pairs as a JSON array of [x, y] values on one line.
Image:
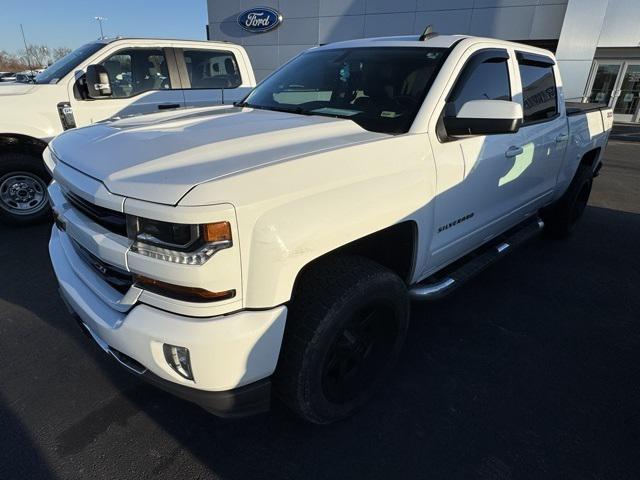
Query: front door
[[141, 83], [472, 203]]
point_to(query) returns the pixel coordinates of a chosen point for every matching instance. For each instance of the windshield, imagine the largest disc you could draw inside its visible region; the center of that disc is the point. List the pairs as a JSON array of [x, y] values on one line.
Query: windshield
[[379, 88], [67, 63]]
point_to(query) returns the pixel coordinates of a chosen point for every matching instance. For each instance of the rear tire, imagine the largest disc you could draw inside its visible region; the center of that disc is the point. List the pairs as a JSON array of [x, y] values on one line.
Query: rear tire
[[23, 189], [561, 218], [346, 325]]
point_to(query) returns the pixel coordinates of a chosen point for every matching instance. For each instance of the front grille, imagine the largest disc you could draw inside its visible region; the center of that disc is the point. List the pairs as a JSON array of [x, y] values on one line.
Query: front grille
[[119, 279], [113, 221]]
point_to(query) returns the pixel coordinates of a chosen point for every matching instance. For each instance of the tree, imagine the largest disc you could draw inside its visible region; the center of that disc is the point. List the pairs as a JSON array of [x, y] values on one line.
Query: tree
[[11, 63], [34, 56], [60, 52], [37, 56]]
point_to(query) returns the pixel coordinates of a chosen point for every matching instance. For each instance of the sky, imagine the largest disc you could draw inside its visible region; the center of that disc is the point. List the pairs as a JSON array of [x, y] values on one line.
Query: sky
[[70, 23]]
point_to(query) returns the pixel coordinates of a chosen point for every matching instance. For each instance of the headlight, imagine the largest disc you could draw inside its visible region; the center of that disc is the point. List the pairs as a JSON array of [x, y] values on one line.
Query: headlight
[[177, 242]]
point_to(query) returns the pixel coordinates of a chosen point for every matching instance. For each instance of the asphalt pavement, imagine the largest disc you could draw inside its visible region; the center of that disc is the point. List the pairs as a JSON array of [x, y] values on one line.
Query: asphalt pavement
[[532, 370]]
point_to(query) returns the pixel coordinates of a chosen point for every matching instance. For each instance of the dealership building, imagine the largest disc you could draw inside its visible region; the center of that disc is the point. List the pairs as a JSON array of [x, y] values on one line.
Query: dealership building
[[597, 42]]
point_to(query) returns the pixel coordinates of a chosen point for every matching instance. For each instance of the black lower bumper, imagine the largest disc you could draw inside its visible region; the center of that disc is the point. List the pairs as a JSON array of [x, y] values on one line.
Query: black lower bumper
[[240, 402]]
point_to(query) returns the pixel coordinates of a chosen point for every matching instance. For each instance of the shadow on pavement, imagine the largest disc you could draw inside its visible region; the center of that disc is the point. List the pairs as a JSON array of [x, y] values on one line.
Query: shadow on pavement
[[529, 371], [20, 457]]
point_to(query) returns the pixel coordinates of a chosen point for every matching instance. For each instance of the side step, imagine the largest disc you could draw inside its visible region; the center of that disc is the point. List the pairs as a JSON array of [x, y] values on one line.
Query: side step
[[471, 265]]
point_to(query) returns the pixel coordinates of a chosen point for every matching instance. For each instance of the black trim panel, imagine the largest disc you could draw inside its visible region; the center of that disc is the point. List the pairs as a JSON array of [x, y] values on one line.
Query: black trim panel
[[576, 108], [239, 402], [481, 126], [110, 219]]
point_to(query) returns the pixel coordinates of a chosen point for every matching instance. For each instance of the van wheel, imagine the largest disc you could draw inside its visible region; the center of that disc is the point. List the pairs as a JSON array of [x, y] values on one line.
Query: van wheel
[[23, 189], [346, 324], [561, 218]]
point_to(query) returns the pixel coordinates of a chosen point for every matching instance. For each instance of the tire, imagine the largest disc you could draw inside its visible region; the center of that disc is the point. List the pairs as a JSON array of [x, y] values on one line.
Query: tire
[[23, 189], [561, 218], [346, 325]]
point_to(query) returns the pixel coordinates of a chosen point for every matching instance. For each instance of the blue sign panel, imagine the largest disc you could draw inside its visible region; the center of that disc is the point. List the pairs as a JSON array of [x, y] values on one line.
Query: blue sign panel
[[259, 19]]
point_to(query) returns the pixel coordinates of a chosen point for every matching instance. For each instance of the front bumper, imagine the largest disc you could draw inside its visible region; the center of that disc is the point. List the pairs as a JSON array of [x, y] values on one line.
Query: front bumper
[[229, 353]]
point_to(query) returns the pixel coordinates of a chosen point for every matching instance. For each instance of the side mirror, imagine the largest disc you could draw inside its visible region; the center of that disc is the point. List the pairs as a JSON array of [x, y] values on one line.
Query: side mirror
[[485, 117], [98, 83]]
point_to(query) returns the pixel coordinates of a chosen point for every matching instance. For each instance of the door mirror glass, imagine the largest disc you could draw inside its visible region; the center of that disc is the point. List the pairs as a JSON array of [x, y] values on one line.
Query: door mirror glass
[[98, 83], [484, 117]]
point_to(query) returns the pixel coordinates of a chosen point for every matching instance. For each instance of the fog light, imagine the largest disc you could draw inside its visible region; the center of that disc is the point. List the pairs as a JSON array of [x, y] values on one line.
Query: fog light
[[178, 359]]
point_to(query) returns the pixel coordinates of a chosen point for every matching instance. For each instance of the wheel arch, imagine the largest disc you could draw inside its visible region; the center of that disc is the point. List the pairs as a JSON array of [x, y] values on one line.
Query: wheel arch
[[591, 158], [393, 247], [18, 143]]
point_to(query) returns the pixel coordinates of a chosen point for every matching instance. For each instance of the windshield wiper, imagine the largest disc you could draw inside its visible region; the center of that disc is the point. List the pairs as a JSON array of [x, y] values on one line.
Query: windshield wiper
[[296, 110]]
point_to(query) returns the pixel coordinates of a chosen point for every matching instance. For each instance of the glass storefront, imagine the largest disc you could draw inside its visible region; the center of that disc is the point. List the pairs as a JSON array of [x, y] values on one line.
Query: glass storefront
[[617, 84], [626, 107]]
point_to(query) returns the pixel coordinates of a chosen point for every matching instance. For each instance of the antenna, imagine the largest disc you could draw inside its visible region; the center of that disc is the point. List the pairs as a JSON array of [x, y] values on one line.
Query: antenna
[[26, 50], [428, 33], [100, 20]]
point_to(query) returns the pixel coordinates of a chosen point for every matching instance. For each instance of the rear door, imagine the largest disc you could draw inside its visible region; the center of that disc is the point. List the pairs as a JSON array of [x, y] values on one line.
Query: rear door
[[544, 134], [212, 76]]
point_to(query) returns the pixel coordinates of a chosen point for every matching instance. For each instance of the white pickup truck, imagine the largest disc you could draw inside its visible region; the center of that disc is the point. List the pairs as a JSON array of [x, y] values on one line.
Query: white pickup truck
[[278, 242], [135, 75]]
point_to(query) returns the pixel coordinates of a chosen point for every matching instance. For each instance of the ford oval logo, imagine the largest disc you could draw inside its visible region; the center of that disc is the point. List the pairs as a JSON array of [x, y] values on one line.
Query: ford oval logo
[[260, 19]]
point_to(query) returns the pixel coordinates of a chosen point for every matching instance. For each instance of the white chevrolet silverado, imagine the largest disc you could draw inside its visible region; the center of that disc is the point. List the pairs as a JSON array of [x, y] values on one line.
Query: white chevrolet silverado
[[105, 79], [278, 242]]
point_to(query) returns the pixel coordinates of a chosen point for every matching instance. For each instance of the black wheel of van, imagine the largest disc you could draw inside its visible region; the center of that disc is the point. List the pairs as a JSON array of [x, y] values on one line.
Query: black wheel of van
[[561, 218], [23, 189], [345, 329]]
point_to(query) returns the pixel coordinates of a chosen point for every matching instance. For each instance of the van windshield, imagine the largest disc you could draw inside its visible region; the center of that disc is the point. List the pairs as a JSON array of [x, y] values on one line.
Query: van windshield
[[67, 63], [379, 88]]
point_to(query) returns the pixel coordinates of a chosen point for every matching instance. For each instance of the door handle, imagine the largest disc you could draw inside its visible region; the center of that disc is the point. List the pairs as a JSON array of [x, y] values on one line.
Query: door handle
[[513, 152], [168, 106], [563, 137]]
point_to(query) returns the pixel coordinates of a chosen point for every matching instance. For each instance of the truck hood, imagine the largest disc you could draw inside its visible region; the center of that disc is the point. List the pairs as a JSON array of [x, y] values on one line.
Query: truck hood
[[16, 88], [160, 157]]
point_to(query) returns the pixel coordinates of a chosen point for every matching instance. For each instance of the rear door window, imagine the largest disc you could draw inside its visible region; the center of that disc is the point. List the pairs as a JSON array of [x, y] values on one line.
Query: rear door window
[[212, 69], [539, 92]]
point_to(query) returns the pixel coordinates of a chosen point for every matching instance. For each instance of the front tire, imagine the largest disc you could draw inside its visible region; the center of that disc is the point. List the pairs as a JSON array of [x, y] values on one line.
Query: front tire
[[346, 326], [23, 189]]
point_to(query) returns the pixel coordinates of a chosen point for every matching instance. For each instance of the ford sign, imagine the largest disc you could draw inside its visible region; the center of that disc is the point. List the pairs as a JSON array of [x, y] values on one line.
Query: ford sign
[[260, 19]]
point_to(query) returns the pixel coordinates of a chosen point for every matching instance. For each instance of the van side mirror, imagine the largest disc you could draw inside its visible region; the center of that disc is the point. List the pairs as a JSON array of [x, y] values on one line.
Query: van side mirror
[[98, 83], [484, 117]]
